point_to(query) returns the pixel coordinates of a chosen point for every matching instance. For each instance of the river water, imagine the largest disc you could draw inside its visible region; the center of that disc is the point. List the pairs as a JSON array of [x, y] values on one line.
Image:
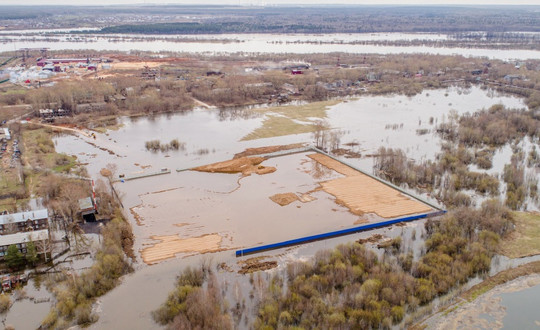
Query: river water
[[522, 308], [246, 43]]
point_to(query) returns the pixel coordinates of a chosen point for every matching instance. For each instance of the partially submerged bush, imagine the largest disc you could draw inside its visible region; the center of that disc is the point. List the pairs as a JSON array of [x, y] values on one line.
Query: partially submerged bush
[[5, 302], [192, 306], [75, 294], [350, 287], [156, 145]]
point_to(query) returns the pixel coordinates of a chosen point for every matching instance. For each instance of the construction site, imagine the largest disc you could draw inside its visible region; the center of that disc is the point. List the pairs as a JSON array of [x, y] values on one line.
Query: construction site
[[248, 201]]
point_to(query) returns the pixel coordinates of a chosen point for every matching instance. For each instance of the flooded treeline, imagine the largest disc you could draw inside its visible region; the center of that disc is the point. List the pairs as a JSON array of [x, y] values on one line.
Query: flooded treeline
[[470, 139], [349, 286]]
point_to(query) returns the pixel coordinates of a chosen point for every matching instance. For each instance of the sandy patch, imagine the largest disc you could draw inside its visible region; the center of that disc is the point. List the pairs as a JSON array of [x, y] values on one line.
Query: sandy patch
[[362, 194], [171, 245], [244, 165], [134, 65], [284, 199], [334, 165], [306, 198]]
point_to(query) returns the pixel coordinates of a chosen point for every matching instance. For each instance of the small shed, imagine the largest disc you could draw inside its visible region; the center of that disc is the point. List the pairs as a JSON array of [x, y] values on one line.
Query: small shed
[[88, 209]]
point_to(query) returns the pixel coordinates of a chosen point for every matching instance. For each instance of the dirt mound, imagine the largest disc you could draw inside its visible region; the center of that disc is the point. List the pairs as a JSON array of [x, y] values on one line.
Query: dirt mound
[[267, 150], [255, 264], [372, 239], [284, 199], [244, 165], [105, 172]]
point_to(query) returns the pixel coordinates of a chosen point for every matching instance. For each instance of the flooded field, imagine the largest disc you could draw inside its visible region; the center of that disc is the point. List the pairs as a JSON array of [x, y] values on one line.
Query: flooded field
[[210, 136], [248, 43], [223, 212], [216, 135], [211, 212]]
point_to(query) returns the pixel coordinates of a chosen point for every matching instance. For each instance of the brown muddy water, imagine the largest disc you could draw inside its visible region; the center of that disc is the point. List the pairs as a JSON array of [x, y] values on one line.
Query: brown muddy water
[[193, 204]]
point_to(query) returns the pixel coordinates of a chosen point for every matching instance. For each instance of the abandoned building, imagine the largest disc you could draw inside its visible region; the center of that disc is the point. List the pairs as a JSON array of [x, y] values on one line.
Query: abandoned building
[[39, 237], [24, 221]]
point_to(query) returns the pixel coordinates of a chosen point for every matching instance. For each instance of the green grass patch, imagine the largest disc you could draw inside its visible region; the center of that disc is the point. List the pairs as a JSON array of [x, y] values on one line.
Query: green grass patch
[[287, 120], [525, 240], [10, 183], [278, 126]]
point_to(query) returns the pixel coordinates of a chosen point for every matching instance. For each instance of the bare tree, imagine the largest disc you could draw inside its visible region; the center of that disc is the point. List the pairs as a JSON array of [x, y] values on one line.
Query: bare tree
[[320, 135]]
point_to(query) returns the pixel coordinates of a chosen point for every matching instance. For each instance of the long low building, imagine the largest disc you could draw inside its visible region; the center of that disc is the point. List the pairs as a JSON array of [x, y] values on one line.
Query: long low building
[[4, 134], [20, 240], [24, 221]]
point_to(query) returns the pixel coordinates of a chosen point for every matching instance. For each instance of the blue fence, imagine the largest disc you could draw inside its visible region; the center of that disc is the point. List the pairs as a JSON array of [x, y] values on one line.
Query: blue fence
[[303, 240]]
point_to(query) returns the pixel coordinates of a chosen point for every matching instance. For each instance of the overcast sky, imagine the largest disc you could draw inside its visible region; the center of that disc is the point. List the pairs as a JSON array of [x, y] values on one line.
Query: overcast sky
[[270, 2]]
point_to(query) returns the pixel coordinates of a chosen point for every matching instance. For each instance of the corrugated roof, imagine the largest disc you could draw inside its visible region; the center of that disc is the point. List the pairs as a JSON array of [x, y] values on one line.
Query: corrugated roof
[[86, 203], [24, 216], [38, 235]]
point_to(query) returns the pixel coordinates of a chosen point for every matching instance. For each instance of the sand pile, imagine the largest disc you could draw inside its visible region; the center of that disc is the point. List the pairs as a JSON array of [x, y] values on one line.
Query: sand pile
[[172, 244], [105, 172], [244, 165], [362, 194], [256, 264], [284, 199]]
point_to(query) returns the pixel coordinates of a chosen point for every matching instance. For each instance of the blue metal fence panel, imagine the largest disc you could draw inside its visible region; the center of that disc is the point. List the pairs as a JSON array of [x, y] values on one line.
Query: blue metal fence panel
[[342, 232]]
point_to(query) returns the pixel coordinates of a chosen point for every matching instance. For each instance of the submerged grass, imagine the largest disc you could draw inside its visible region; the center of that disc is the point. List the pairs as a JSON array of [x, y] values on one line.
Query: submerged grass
[[525, 240], [287, 120]]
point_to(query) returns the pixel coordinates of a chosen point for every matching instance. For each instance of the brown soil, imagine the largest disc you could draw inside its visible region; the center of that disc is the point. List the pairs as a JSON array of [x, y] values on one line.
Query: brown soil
[[362, 194], [255, 264], [267, 150], [361, 221], [172, 244], [244, 165], [372, 239], [225, 267], [137, 217], [105, 172], [284, 199]]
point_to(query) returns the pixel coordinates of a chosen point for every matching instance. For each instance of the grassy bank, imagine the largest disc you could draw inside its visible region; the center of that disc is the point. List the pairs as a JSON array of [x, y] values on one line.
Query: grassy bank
[[287, 120], [501, 278], [525, 239]]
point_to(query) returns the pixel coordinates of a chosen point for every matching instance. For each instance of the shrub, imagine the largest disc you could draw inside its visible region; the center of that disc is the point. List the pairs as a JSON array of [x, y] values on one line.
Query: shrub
[[5, 302]]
